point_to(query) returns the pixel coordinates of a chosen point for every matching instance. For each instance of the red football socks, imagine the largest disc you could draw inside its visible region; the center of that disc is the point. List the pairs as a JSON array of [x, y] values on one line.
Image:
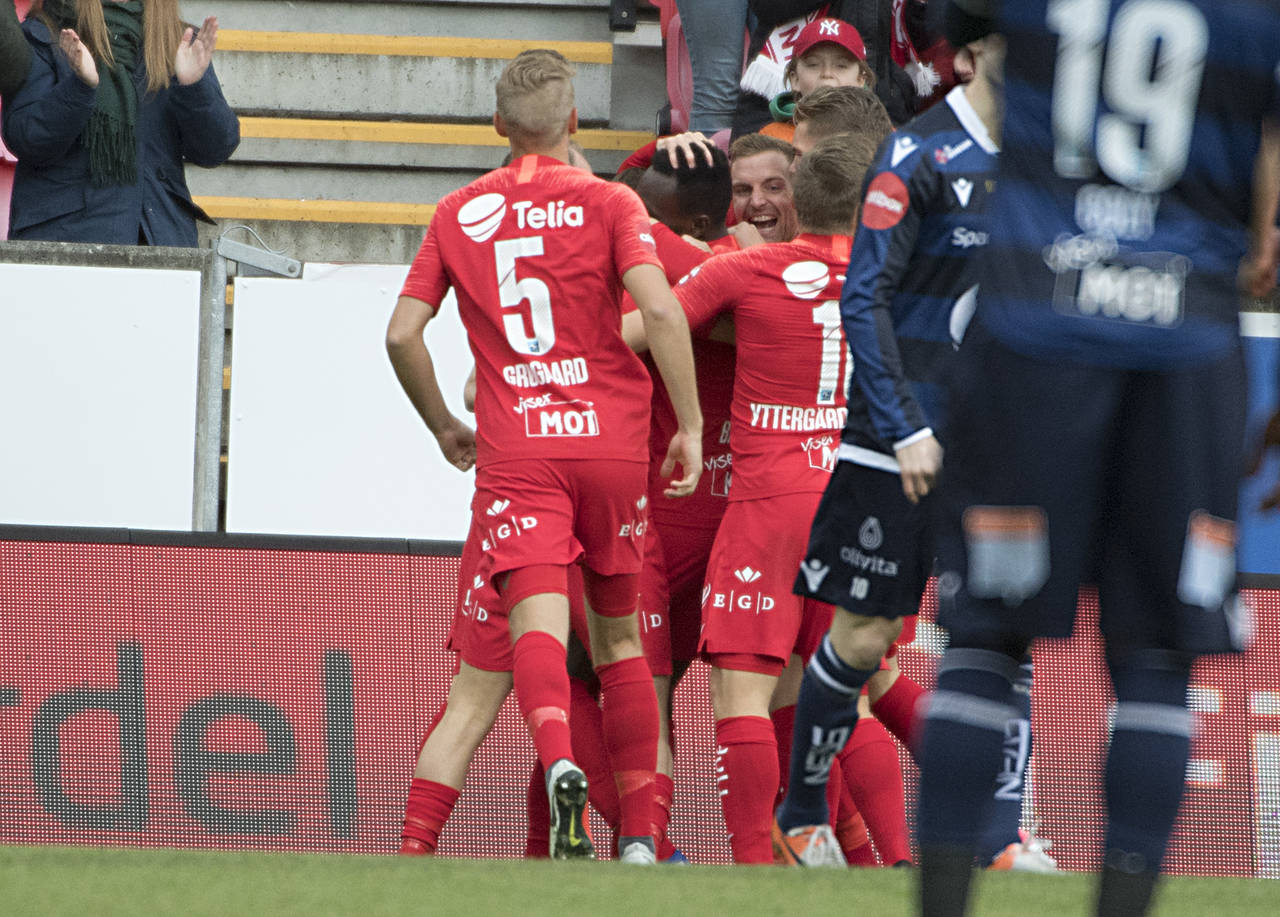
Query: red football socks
[[664, 791], [835, 780], [784, 726], [630, 718], [747, 778], [542, 692], [897, 710], [425, 813], [537, 842], [851, 830], [587, 725], [873, 773]]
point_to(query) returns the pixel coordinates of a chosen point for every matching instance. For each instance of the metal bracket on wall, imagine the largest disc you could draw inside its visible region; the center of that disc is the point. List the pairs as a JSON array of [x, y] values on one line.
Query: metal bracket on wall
[[253, 261], [622, 15]]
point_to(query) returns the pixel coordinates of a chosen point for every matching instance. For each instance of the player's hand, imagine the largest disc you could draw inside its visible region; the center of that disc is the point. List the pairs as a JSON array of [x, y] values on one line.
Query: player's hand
[[1257, 277], [195, 52], [746, 234], [919, 464], [697, 243], [1270, 440], [78, 58], [458, 444], [686, 451], [691, 145]]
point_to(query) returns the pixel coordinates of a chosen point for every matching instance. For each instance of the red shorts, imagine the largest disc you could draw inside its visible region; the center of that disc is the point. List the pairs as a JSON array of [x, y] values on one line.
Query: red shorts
[[675, 567], [482, 639], [538, 511], [747, 602], [479, 636]]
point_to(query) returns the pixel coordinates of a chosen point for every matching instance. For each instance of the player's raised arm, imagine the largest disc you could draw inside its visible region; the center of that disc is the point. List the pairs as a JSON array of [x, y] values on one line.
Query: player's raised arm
[[413, 366], [667, 332]]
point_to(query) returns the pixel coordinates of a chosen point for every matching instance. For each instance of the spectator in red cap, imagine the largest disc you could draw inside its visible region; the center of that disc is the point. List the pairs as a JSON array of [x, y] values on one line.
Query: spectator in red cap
[[827, 52]]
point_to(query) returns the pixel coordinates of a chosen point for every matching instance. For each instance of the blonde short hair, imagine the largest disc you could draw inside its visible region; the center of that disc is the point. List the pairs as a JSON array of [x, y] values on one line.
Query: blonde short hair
[[535, 94], [827, 185]]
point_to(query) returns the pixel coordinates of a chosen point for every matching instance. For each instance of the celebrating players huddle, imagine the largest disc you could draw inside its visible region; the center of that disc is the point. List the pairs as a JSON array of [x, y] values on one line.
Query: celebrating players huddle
[[762, 486]]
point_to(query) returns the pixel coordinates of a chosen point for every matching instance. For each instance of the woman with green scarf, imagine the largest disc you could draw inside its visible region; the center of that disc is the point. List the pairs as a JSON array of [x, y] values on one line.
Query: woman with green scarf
[[118, 97]]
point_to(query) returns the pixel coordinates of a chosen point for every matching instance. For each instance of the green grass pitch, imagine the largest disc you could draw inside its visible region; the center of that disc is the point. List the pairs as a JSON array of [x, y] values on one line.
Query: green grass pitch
[[109, 881]]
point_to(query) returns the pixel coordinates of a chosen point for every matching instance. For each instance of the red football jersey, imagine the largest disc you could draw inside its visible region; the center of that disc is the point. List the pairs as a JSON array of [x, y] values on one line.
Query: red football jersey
[[793, 362], [535, 252], [713, 363]]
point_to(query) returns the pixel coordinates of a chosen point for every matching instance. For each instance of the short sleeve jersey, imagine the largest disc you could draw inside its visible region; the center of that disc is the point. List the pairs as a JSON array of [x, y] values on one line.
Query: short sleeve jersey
[[535, 252], [1130, 135], [713, 362], [792, 361]]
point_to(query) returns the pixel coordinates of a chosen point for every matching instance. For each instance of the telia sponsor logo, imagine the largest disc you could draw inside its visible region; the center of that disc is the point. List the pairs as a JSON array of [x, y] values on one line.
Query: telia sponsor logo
[[481, 217], [806, 279]]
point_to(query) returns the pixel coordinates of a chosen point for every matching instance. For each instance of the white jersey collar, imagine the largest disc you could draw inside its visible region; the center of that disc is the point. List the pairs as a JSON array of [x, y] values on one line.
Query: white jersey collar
[[970, 121]]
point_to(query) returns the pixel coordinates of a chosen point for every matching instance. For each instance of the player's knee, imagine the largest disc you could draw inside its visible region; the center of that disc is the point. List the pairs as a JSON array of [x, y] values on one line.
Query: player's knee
[[1150, 676], [614, 638], [862, 640]]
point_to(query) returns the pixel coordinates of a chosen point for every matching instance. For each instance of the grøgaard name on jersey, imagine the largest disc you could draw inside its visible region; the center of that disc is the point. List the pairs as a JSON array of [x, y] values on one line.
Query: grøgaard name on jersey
[[795, 419], [535, 373], [553, 216]]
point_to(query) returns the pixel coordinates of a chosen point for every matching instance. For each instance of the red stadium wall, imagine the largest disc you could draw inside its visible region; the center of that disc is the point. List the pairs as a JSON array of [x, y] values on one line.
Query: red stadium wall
[[248, 697]]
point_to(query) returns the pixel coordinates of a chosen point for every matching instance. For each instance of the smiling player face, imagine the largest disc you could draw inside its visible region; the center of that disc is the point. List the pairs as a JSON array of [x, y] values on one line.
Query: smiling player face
[[762, 195]]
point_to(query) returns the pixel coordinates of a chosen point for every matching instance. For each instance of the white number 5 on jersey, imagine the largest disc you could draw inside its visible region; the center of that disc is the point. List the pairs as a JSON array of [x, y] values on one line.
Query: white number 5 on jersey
[[512, 292]]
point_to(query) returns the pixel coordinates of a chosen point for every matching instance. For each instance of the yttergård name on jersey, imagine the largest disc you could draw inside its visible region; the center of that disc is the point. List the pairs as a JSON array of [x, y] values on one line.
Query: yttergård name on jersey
[[796, 419], [535, 373]]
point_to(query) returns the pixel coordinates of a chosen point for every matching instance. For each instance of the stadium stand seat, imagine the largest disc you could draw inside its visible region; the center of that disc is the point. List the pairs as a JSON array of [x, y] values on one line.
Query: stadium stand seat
[[350, 138]]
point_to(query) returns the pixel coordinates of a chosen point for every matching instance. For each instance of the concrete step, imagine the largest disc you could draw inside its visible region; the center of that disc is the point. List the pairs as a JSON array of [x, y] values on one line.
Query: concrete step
[[397, 144], [358, 200], [567, 20], [357, 117], [319, 74]]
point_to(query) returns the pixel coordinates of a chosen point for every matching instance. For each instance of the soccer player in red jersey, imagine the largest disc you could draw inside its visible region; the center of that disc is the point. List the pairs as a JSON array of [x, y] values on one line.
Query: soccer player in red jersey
[[690, 200], [762, 186], [538, 253], [788, 408]]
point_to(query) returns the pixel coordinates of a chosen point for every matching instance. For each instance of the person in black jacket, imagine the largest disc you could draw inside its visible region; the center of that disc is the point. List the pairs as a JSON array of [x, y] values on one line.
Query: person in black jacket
[[112, 107], [15, 56]]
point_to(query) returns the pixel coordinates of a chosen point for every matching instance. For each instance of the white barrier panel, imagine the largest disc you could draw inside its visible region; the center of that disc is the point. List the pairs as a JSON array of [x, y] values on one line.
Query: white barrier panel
[[98, 367], [323, 440]]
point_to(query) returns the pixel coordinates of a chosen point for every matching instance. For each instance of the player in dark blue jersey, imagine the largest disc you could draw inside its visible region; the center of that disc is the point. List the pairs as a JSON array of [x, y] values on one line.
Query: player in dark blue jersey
[[1098, 408], [871, 547]]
